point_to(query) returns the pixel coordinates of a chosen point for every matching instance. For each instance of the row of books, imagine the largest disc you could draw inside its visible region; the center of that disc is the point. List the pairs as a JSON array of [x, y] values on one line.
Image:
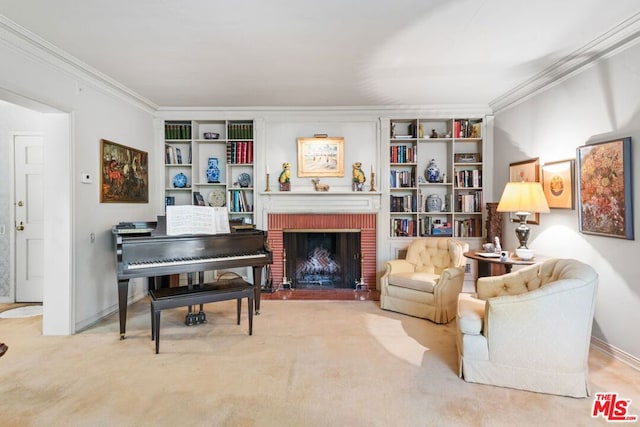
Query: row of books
[[402, 154], [177, 130], [406, 203], [468, 227], [173, 156], [435, 227], [240, 152], [239, 202], [467, 129], [402, 178], [403, 227], [468, 178], [471, 202], [240, 131]]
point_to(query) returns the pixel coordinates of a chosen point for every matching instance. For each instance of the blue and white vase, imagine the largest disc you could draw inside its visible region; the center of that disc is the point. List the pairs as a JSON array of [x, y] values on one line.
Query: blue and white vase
[[434, 203], [180, 180], [213, 171], [432, 173]]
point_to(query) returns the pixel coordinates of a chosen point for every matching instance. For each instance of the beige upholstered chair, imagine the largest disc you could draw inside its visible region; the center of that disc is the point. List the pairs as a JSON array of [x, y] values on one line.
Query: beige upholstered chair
[[427, 283], [530, 329]]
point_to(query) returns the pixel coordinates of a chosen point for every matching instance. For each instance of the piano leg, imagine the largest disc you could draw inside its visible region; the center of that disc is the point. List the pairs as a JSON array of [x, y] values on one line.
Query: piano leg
[[257, 280], [123, 293]]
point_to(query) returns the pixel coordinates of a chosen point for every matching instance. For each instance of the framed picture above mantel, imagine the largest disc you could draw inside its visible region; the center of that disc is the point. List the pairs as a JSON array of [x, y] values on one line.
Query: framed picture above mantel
[[321, 156]]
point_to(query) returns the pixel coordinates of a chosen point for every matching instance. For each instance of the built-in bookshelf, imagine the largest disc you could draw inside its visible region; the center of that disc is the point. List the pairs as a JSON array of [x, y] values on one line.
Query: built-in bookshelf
[[194, 149], [452, 203]]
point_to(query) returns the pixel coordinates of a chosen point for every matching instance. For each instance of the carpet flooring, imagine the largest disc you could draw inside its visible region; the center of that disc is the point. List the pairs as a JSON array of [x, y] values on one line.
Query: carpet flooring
[[308, 363]]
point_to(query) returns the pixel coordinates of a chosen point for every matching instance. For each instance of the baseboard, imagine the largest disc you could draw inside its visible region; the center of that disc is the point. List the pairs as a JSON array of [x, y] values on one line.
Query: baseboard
[[615, 353], [98, 317]]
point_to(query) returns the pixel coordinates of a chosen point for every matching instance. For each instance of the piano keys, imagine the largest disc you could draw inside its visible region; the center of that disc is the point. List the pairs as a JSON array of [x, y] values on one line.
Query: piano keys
[[142, 249]]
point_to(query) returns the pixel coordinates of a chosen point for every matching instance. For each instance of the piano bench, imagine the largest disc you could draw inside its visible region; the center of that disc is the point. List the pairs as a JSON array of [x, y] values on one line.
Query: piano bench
[[183, 296]]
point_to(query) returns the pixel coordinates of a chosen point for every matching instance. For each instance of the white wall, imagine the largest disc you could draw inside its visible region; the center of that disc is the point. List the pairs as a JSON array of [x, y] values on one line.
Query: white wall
[[598, 104], [78, 268]]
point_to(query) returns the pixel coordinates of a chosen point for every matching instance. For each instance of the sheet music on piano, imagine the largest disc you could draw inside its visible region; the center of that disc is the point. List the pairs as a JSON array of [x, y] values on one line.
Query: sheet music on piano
[[188, 219]]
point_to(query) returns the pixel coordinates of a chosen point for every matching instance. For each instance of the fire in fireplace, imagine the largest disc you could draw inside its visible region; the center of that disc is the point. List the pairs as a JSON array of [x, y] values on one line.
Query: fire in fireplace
[[320, 259]]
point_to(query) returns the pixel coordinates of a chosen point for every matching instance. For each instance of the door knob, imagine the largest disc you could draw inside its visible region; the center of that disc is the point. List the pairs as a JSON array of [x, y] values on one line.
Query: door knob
[[20, 227], [20, 203]]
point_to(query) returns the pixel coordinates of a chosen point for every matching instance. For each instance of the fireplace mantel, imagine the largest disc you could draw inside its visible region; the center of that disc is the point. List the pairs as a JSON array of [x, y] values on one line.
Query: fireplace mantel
[[318, 201]]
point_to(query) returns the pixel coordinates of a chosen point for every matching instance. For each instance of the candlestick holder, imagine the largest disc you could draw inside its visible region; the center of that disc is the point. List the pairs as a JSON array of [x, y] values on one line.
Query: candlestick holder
[[268, 188], [373, 182]]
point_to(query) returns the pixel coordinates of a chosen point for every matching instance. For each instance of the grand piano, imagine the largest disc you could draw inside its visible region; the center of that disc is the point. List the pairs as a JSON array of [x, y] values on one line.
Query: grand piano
[[142, 249]]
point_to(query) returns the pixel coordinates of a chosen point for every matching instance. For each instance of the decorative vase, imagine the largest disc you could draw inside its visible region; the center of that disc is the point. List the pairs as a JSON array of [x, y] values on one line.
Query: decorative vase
[[180, 180], [213, 171], [434, 203], [432, 172]]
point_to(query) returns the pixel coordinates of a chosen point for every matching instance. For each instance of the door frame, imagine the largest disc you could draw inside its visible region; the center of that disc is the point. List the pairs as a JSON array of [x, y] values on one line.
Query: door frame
[[59, 202]]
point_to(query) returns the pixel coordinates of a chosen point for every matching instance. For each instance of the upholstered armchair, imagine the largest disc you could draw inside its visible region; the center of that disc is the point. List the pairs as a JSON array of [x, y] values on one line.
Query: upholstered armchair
[[427, 282], [530, 329]]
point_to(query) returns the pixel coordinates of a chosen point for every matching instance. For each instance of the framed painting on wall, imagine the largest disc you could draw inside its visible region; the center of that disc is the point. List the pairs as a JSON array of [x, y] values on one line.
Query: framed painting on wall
[[557, 183], [525, 171], [321, 156], [124, 175], [605, 189]]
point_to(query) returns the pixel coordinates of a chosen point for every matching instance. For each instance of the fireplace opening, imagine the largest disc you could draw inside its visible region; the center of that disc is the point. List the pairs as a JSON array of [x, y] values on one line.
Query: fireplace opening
[[322, 259]]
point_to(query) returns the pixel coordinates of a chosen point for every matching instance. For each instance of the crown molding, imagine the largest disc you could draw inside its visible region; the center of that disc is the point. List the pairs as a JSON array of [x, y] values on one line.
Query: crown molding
[[619, 37], [30, 44]]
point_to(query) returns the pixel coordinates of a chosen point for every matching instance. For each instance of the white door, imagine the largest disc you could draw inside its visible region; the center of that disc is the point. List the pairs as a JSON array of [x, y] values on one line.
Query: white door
[[29, 217]]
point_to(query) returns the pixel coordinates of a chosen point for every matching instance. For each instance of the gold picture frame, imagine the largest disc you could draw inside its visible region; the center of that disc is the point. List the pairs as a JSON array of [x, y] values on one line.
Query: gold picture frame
[[124, 177], [527, 171], [321, 156], [558, 183]]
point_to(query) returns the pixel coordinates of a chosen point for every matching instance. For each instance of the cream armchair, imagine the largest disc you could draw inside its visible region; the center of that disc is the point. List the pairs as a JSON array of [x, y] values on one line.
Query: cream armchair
[[530, 329], [426, 284]]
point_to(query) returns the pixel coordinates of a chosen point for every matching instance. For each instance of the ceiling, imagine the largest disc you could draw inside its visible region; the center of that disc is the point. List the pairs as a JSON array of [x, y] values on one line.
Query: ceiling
[[250, 53]]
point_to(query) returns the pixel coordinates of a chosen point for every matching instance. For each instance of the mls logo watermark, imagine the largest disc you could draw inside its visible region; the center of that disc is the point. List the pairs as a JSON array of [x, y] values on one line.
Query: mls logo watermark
[[612, 408]]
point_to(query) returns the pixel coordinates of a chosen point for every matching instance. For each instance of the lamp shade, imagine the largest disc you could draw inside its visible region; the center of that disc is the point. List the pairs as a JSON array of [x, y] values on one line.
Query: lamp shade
[[523, 197]]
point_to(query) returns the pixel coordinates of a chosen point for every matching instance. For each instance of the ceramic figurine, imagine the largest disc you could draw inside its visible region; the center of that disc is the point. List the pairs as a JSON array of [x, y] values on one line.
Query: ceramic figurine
[[318, 186], [285, 177], [359, 177]]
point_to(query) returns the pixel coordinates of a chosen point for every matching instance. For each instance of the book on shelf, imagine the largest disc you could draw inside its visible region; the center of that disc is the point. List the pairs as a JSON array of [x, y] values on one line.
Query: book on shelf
[[198, 200], [403, 227], [240, 131], [470, 202], [176, 130], [402, 179]]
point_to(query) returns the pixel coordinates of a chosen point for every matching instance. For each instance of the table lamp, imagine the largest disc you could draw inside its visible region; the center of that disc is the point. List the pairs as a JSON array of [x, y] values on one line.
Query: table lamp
[[523, 199]]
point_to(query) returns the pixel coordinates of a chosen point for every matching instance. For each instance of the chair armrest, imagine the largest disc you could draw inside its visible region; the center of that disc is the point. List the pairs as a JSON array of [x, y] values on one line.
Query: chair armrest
[[394, 266], [398, 266], [470, 314], [449, 286]]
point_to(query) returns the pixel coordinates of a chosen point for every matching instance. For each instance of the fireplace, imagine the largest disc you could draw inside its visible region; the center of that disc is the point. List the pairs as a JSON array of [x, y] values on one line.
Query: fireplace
[[354, 245], [322, 259]]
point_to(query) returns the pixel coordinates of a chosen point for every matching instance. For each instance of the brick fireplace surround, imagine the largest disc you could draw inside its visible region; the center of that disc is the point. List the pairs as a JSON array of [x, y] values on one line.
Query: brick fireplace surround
[[278, 223]]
